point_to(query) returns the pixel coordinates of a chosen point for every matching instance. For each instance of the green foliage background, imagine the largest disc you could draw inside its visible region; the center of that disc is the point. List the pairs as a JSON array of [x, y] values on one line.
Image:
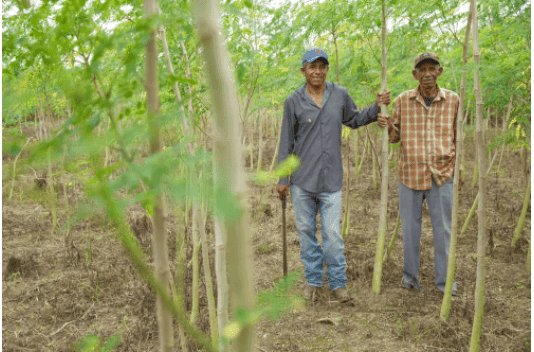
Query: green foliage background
[[81, 63]]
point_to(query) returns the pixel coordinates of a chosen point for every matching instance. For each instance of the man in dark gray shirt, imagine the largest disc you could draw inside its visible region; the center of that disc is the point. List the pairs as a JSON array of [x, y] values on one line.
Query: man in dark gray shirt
[[313, 118]]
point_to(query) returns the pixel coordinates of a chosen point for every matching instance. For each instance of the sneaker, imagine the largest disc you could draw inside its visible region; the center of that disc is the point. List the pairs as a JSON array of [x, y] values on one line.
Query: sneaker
[[310, 293], [341, 294]]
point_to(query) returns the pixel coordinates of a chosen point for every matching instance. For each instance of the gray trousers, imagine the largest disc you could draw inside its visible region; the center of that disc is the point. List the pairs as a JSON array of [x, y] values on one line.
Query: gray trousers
[[439, 201]]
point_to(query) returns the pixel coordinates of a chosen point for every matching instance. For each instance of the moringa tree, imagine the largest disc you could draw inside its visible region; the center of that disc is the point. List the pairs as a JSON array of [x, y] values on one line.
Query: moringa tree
[[474, 345], [229, 175], [451, 265], [382, 226]]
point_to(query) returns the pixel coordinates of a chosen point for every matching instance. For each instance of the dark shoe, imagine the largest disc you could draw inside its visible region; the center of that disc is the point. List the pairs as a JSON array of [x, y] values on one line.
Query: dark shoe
[[406, 287], [341, 294], [310, 293]]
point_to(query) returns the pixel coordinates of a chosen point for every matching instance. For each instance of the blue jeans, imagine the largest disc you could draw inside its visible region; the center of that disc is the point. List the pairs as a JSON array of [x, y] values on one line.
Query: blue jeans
[[439, 200], [306, 205]]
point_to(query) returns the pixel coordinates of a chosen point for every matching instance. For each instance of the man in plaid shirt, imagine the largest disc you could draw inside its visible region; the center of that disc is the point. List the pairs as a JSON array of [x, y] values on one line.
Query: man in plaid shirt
[[424, 121]]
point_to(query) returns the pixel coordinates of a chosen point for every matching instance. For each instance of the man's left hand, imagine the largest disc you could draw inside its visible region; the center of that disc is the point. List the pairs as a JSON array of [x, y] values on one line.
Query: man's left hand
[[382, 98], [382, 120]]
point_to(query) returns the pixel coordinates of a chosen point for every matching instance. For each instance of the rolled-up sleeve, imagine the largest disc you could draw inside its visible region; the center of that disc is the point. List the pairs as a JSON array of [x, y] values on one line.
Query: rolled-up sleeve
[[394, 123], [287, 137], [353, 118]]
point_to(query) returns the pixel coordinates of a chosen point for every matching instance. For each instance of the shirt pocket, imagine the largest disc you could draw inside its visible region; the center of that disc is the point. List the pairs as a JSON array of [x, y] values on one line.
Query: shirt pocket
[[306, 118]]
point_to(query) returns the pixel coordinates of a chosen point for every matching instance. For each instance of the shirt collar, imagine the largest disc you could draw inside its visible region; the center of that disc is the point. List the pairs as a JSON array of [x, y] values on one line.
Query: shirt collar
[[416, 92], [329, 86]]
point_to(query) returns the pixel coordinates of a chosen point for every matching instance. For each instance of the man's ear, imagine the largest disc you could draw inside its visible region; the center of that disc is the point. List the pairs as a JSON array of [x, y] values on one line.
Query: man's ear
[[414, 74], [440, 70]]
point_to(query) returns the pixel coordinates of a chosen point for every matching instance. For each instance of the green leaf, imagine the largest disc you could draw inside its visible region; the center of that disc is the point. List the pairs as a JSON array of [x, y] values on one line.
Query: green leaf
[[112, 343], [288, 166]]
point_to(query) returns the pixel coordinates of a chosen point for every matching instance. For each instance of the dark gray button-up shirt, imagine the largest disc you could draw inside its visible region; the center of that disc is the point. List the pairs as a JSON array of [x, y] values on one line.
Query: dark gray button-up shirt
[[314, 135]]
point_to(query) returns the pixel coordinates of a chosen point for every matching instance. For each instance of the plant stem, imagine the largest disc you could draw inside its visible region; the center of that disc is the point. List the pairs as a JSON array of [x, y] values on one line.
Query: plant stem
[[521, 221], [451, 264], [481, 242], [393, 238], [229, 176], [382, 227]]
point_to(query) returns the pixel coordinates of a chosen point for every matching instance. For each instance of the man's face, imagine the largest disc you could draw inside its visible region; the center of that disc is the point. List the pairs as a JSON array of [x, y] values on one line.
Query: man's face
[[427, 73], [315, 72]]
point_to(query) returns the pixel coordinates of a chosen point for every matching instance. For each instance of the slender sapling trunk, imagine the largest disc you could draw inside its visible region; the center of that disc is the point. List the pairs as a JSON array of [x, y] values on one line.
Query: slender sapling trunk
[[229, 176], [521, 221], [161, 260], [481, 242], [382, 226], [451, 264]]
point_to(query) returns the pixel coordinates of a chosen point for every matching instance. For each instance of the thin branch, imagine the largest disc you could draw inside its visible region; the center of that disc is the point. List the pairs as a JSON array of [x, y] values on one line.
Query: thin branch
[[374, 152]]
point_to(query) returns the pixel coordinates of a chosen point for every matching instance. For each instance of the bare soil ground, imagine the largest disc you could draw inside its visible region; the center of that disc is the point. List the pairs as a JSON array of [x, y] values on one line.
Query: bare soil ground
[[56, 290]]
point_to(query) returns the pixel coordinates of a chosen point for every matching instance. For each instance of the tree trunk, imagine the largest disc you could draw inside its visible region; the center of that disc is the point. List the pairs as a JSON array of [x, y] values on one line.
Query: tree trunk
[[15, 170], [251, 145], [260, 142], [275, 155], [222, 280], [451, 265], [337, 56], [393, 237], [521, 221], [475, 203], [179, 271], [188, 76], [208, 280], [161, 262], [504, 127], [374, 162], [481, 243], [365, 149], [382, 226], [51, 191], [180, 236], [194, 260], [475, 170], [346, 219], [229, 176], [356, 156]]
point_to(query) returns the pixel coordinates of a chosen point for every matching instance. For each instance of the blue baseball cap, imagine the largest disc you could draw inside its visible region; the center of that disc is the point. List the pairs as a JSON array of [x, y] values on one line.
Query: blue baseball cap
[[314, 54]]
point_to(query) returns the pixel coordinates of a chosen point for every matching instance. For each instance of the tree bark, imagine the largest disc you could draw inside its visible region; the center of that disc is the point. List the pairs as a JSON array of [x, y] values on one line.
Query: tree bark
[[163, 274], [194, 260], [188, 75], [521, 221], [222, 280], [356, 156], [382, 226], [451, 265], [504, 126], [393, 237], [346, 219], [475, 203], [481, 243], [229, 176], [364, 151], [208, 280]]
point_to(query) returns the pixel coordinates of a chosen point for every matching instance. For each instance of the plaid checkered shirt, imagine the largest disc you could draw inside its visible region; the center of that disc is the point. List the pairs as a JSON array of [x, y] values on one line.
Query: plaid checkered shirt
[[427, 136]]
